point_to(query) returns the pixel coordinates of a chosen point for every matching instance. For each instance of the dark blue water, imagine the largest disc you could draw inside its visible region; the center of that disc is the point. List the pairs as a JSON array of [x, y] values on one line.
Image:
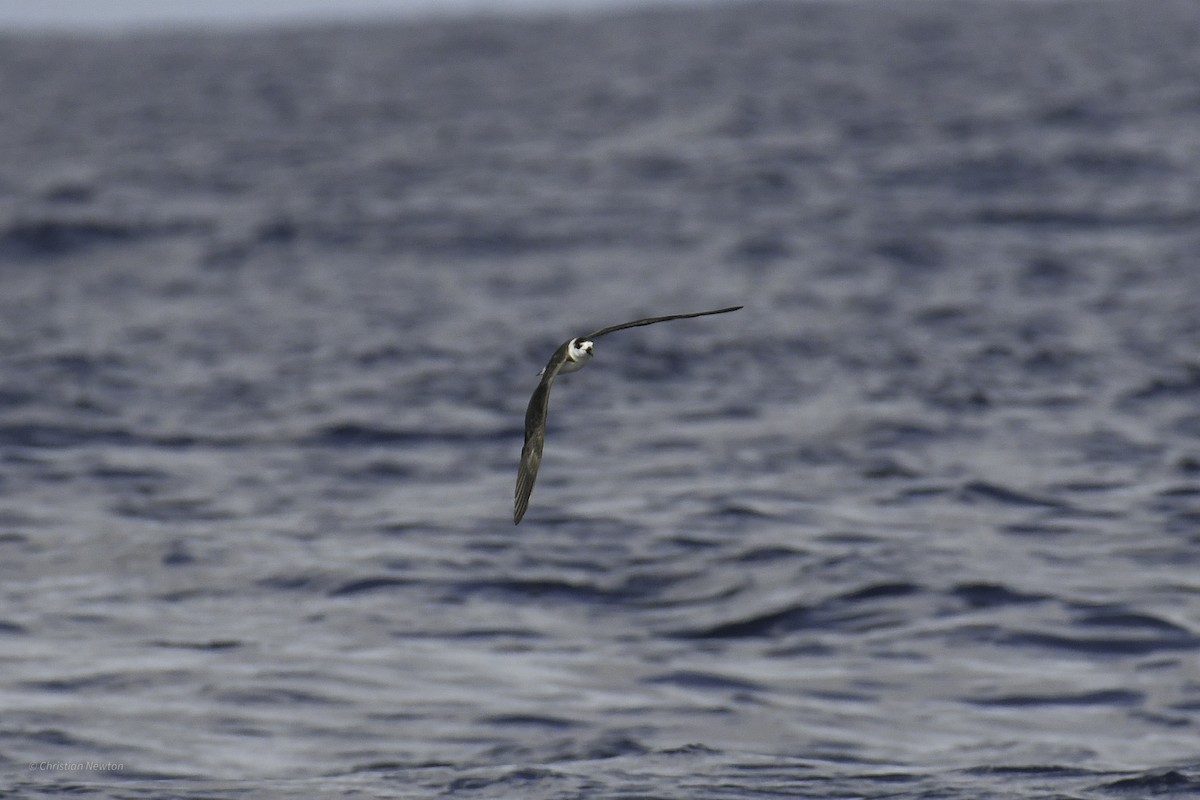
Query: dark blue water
[[922, 520]]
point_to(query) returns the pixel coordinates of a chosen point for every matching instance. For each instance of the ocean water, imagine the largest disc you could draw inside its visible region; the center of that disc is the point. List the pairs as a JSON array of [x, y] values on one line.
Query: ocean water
[[921, 521]]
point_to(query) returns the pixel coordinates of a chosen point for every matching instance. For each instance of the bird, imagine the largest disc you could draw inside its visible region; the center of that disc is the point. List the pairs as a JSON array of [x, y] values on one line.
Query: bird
[[571, 355]]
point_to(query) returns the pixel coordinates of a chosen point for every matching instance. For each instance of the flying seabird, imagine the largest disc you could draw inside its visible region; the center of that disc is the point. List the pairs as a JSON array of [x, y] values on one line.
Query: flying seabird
[[570, 356]]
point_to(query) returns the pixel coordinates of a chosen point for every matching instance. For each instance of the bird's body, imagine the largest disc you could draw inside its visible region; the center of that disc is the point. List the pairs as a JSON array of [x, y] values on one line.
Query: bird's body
[[571, 356]]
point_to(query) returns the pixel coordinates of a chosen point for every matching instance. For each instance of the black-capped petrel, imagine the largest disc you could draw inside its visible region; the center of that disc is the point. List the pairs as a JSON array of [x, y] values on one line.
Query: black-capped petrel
[[571, 355]]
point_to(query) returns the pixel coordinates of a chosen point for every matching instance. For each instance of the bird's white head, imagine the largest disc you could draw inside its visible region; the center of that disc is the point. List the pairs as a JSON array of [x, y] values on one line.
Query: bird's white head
[[578, 353]]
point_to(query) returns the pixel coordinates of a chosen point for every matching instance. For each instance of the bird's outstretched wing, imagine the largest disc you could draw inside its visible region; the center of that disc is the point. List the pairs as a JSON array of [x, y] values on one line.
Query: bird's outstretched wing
[[535, 432], [651, 320]]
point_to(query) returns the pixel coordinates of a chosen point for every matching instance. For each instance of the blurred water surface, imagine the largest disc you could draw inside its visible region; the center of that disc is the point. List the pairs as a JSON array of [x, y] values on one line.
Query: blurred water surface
[[922, 520]]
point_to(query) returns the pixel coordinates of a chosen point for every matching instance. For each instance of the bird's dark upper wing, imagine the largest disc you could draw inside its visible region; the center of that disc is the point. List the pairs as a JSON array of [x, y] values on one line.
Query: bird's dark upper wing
[[535, 432], [651, 320]]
